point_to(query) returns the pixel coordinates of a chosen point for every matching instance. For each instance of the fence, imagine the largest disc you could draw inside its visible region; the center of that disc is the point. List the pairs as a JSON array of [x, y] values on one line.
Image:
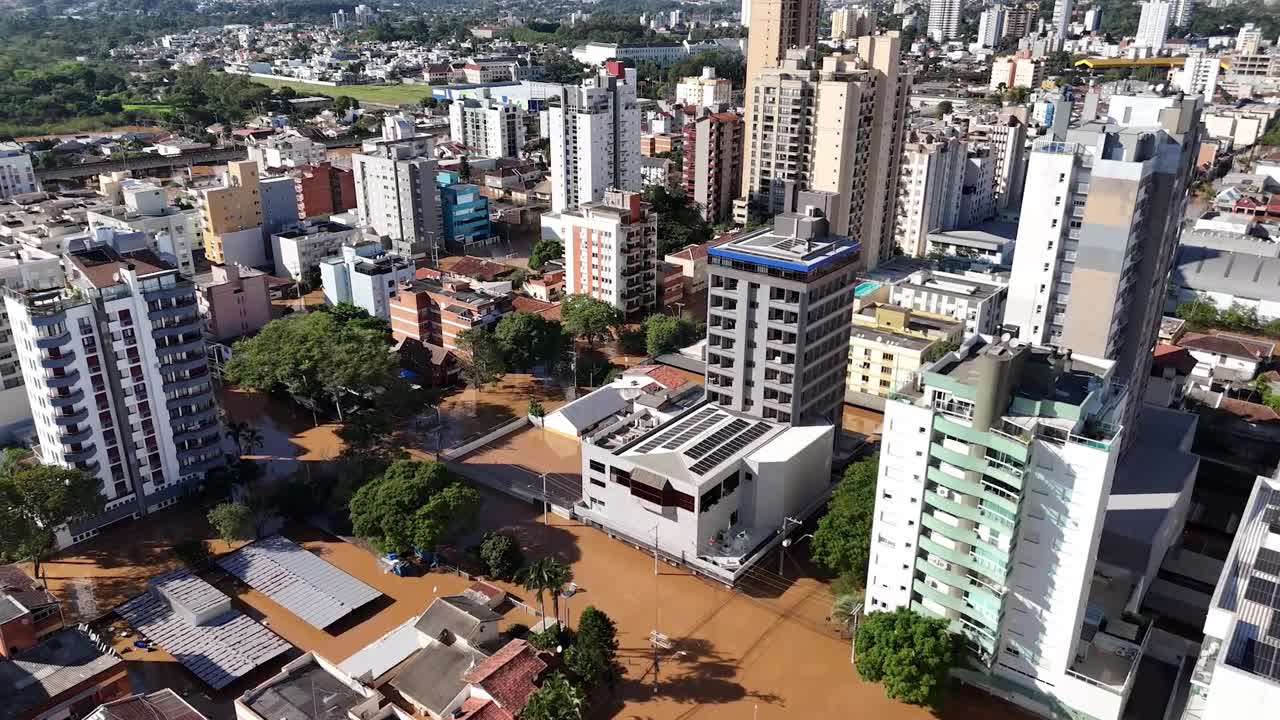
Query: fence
[[471, 445]]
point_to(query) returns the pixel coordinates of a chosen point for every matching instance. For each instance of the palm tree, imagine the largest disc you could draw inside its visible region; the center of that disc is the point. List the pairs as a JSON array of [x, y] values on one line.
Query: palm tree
[[251, 438], [235, 432], [546, 574]]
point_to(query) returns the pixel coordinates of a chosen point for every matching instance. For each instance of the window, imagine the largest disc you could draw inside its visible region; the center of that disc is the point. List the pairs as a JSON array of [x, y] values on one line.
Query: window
[[597, 466]]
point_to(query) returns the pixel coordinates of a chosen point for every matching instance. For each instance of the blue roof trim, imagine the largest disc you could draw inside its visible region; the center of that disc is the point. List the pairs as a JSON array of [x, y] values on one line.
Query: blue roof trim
[[837, 254]]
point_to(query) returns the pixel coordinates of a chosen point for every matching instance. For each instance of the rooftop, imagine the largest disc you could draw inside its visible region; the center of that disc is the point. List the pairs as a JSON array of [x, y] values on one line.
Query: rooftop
[[433, 677], [54, 666], [455, 616], [1236, 346], [1249, 589], [161, 705], [101, 265], [796, 242], [1205, 269], [991, 235], [691, 447], [307, 693]]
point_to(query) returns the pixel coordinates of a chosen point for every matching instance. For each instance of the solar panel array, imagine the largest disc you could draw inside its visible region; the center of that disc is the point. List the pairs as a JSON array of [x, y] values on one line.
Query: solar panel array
[[302, 583], [1263, 658], [727, 450], [1261, 591], [1267, 561], [220, 650], [692, 431], [715, 439], [652, 443]]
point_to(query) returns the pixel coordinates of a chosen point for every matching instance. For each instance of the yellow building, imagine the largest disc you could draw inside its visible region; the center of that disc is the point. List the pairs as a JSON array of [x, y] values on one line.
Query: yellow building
[[888, 345], [231, 217]]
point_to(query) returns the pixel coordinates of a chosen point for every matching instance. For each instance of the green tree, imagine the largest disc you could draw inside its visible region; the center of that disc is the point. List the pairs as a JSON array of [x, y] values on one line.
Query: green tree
[[192, 553], [664, 333], [544, 251], [529, 339], [413, 505], [910, 654], [483, 360], [680, 221], [587, 318], [842, 542], [557, 699], [1200, 313], [35, 502], [233, 521], [593, 657], [536, 409], [544, 575], [501, 555], [944, 108]]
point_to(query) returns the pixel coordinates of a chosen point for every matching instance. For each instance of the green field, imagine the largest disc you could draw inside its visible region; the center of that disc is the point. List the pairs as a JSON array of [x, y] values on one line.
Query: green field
[[386, 94], [157, 108]]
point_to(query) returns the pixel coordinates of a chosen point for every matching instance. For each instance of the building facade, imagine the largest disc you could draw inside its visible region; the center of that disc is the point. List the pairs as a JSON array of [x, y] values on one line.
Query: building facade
[[366, 276], [172, 230], [611, 252], [944, 20], [488, 127], [435, 312], [324, 190], [231, 218], [1153, 25], [929, 183], [396, 194], [126, 332], [21, 268], [234, 301], [465, 212], [16, 174], [299, 250], [712, 157], [595, 138], [705, 90]]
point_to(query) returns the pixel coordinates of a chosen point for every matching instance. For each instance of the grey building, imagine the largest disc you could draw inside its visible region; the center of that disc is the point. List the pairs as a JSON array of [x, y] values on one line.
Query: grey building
[[778, 317], [396, 193]]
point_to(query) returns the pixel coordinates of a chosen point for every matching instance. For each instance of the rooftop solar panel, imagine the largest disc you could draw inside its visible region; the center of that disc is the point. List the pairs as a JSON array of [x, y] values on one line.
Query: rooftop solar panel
[[728, 449], [1267, 561], [652, 443], [302, 583], [692, 432], [716, 439]]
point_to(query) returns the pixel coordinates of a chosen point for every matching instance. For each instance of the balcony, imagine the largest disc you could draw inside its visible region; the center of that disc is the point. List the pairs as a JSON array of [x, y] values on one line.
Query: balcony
[[183, 325], [84, 454], [60, 401], [55, 340], [52, 362], [63, 381], [182, 364], [69, 437], [71, 418]]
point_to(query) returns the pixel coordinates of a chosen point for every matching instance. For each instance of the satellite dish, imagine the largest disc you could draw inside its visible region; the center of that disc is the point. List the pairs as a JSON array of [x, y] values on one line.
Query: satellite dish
[[1160, 88]]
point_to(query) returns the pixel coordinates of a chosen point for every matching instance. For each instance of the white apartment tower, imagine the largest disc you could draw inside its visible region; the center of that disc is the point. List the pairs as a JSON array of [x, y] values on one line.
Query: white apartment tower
[[1153, 25], [705, 90], [1182, 13], [22, 267], [118, 380], [16, 174], [991, 26], [1062, 15], [1249, 39], [929, 186], [611, 252], [396, 193], [1199, 74], [851, 22], [944, 19], [595, 138], [779, 308], [490, 128]]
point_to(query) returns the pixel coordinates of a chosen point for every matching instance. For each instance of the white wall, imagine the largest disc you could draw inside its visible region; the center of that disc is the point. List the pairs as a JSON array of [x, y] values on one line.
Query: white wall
[[904, 458]]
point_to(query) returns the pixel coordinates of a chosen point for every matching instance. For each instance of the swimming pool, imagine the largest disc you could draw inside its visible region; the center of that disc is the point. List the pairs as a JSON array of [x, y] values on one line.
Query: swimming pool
[[865, 288]]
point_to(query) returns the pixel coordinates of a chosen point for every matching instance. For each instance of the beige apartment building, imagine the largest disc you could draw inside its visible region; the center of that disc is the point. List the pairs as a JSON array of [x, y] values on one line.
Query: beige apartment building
[[887, 347], [231, 218]]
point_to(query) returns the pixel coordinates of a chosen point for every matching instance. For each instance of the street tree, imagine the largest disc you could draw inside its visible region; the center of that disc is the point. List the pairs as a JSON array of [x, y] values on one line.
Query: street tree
[[593, 657], [483, 359], [911, 654], [842, 542], [35, 502], [413, 505], [545, 575], [664, 333], [557, 699], [587, 318], [529, 339], [233, 521], [501, 555], [543, 251]]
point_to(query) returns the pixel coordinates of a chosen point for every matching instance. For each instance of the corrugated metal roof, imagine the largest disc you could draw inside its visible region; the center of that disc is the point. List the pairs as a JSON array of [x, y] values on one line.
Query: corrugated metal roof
[[219, 650], [302, 583]]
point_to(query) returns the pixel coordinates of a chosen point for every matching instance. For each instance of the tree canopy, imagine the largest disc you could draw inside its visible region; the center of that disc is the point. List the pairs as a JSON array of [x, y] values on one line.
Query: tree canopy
[[664, 333], [680, 221], [529, 339], [842, 542], [37, 500], [587, 318], [484, 357], [557, 699], [413, 505], [543, 251], [233, 521], [909, 653], [593, 656]]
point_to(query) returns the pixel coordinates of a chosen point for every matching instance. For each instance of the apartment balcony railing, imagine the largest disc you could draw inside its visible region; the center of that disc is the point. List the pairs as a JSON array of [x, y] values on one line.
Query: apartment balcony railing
[[71, 418], [59, 400]]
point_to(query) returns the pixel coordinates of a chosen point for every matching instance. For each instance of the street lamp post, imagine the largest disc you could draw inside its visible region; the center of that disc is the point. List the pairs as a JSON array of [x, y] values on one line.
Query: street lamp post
[[787, 522]]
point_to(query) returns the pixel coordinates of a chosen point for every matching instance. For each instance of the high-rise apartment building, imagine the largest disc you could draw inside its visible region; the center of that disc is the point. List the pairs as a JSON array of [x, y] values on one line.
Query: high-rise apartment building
[[1182, 13], [1153, 25], [1019, 70], [1199, 74], [324, 190], [1020, 19], [16, 174], [172, 230], [944, 19], [929, 185], [117, 378], [22, 267], [595, 138], [1062, 15], [396, 195], [837, 129], [1101, 216], [712, 156], [231, 218], [851, 22], [1249, 39], [1006, 139], [611, 252], [778, 318], [488, 127], [991, 26], [366, 276]]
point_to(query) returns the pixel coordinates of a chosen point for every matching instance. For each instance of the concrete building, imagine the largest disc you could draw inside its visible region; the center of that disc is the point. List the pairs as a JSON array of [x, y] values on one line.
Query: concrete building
[[299, 250], [1153, 25], [778, 311], [231, 218], [1199, 74], [465, 211], [930, 179], [991, 26], [67, 674], [888, 345], [125, 331], [435, 312], [1062, 15], [1249, 39], [234, 301], [172, 231], [717, 482], [1236, 675], [1016, 71], [489, 128], [944, 20], [1100, 222], [396, 194], [1006, 505], [21, 268], [712, 157], [285, 151], [1020, 19], [28, 611], [974, 298], [595, 54], [279, 197], [1092, 20], [990, 242], [595, 138], [16, 174], [1182, 12], [324, 190], [1006, 140], [365, 275], [852, 22], [705, 90], [977, 193], [611, 252]]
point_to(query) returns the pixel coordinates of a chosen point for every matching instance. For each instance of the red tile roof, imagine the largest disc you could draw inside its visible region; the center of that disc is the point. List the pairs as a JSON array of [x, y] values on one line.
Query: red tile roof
[[477, 268], [522, 303], [668, 377], [690, 252], [1232, 345], [1180, 359], [509, 674], [1251, 412], [480, 709]]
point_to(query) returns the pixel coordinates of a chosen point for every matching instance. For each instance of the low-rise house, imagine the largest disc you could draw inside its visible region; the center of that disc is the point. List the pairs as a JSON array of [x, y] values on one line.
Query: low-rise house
[[28, 612], [692, 261], [1225, 360], [366, 276], [1171, 372], [67, 674], [160, 705]]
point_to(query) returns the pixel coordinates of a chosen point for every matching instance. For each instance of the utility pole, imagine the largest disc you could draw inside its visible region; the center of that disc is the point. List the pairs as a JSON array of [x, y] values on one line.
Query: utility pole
[[544, 499], [782, 546], [655, 549]]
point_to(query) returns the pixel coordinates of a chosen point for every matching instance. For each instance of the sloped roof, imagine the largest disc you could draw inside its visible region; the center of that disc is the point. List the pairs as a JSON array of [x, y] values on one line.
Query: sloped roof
[[1230, 345], [457, 614], [508, 676]]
